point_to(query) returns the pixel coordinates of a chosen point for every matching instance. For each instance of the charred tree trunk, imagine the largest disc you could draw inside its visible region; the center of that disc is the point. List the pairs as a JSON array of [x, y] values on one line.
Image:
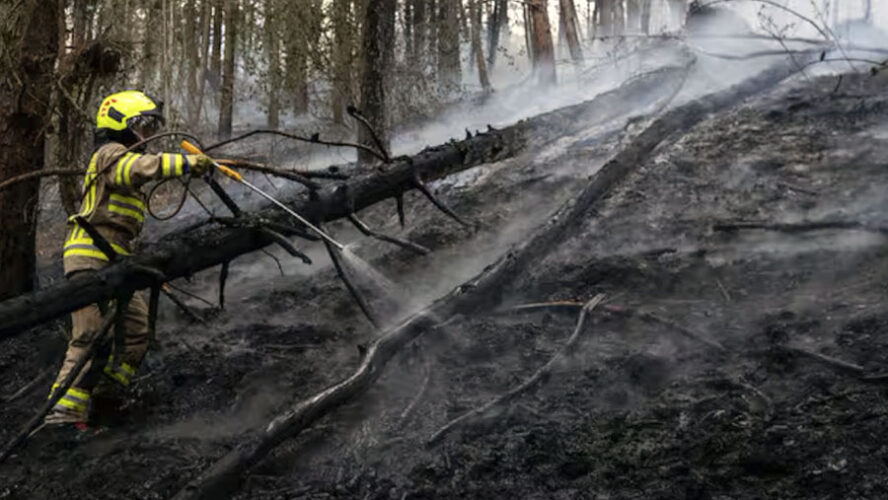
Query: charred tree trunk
[[418, 30], [570, 24], [341, 18], [449, 68], [646, 16], [29, 36], [226, 97], [604, 26], [191, 251], [379, 55], [541, 36], [215, 64], [477, 48], [203, 69], [497, 22], [273, 57]]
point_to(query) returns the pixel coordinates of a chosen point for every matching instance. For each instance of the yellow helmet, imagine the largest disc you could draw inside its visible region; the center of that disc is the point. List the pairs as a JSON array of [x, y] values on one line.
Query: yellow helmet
[[117, 110]]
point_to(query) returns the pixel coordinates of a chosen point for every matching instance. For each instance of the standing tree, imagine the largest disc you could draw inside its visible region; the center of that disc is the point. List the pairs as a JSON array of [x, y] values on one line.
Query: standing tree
[[570, 24], [273, 62], [477, 48], [541, 41], [379, 56], [497, 23], [28, 50], [449, 71], [226, 97]]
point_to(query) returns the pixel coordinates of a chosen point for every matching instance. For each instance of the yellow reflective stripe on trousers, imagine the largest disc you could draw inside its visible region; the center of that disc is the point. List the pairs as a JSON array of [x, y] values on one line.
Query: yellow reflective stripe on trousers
[[74, 399], [179, 163], [122, 373], [80, 393]]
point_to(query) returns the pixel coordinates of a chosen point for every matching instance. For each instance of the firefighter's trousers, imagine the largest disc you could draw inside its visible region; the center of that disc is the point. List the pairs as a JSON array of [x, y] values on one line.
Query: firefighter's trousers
[[86, 323]]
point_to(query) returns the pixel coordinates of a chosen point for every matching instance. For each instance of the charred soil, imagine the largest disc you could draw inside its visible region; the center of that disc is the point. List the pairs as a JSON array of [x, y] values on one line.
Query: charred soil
[[637, 409]]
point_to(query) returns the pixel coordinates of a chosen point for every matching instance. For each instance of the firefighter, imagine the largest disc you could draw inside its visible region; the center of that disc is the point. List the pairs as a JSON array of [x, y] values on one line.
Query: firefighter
[[113, 204]]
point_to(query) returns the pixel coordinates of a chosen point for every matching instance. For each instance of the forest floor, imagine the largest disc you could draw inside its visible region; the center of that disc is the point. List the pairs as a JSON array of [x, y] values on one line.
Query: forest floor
[[637, 410]]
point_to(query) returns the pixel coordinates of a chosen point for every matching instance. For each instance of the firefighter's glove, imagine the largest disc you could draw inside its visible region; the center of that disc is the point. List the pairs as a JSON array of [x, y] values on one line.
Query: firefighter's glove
[[200, 164]]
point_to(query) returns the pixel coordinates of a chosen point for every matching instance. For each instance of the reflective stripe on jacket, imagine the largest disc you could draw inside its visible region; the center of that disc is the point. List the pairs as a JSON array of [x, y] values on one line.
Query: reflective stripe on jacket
[[113, 203]]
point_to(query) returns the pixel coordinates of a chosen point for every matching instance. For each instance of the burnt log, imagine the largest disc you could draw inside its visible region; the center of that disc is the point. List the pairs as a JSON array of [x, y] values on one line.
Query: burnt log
[[477, 294], [185, 253]]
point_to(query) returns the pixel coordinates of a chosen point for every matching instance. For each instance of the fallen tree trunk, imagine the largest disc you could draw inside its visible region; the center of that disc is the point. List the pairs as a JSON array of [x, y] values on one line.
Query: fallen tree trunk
[[474, 295], [183, 254]]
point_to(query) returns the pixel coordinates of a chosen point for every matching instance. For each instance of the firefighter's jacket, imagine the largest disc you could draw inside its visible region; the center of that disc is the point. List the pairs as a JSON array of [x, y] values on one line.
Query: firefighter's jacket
[[113, 203]]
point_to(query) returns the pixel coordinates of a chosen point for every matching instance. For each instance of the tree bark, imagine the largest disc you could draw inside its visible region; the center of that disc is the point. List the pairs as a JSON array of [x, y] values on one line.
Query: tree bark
[[378, 61], [215, 65], [571, 29], [226, 97], [646, 16], [449, 67], [343, 41], [543, 49], [29, 36], [497, 22], [419, 28], [203, 71], [477, 48], [605, 22], [188, 252], [273, 60]]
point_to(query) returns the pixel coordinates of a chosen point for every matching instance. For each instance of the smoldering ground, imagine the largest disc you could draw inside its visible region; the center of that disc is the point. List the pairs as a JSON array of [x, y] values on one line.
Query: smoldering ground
[[638, 411]]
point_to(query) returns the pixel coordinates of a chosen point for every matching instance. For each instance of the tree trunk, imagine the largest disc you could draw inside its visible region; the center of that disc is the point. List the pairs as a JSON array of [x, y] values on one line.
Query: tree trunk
[[477, 48], [273, 59], [204, 70], [646, 16], [216, 57], [571, 26], [343, 41], [543, 49], [226, 97], [605, 25], [29, 31], [379, 54], [449, 67], [633, 16], [419, 28], [497, 22], [192, 28], [677, 11]]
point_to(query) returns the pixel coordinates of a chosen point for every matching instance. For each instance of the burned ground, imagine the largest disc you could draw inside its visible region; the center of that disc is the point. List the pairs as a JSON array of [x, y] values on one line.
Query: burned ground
[[638, 410]]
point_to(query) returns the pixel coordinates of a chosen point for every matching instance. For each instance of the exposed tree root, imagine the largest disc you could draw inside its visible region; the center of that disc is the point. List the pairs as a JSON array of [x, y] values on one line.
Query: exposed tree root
[[475, 295], [528, 384]]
